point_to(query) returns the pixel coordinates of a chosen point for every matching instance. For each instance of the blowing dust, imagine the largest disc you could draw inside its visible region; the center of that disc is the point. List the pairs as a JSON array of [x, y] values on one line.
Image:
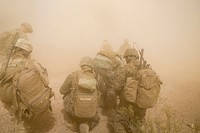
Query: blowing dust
[[66, 30]]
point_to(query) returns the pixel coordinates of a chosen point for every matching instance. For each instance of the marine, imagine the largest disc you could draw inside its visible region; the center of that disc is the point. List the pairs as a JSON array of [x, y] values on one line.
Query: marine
[[81, 98], [137, 96], [24, 85]]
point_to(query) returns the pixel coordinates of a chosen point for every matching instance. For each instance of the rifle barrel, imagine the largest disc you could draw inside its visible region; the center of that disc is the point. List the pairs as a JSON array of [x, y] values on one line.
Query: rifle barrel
[[12, 47]]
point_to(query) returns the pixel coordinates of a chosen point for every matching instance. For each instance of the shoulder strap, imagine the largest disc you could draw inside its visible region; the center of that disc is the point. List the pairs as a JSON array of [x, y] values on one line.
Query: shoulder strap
[[42, 71], [75, 80]]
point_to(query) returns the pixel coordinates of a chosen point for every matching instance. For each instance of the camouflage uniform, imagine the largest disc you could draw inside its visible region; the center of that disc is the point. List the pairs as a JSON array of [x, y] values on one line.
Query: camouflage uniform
[[21, 53], [122, 120], [68, 90], [7, 38], [8, 92], [110, 70], [15, 99], [130, 71], [128, 117]]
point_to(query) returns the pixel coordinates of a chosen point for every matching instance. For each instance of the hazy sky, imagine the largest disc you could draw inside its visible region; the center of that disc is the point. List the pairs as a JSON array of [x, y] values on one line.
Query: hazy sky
[[66, 30]]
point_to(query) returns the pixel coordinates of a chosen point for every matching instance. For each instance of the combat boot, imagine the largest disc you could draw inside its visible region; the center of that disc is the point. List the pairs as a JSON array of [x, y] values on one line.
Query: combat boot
[[19, 127], [84, 128]]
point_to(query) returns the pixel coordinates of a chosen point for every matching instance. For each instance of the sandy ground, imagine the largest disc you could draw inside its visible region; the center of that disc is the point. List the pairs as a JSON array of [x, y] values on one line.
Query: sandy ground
[[184, 99]]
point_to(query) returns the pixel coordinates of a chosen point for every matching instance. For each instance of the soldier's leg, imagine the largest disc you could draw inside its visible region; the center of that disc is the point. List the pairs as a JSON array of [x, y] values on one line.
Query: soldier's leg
[[117, 122], [139, 118], [94, 121], [118, 128], [71, 122], [140, 114]]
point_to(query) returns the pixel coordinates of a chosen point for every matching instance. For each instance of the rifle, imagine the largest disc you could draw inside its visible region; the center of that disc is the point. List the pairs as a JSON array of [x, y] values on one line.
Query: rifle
[[143, 62], [141, 58], [12, 48]]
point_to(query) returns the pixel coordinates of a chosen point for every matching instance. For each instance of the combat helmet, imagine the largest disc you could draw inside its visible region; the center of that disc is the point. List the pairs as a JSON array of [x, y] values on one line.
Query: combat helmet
[[131, 51], [24, 44], [27, 27], [86, 61]]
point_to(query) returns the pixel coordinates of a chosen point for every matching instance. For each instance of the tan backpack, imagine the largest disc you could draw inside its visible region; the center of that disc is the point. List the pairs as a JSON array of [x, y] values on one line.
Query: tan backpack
[[148, 88], [6, 83], [31, 85], [130, 90], [85, 97], [106, 60]]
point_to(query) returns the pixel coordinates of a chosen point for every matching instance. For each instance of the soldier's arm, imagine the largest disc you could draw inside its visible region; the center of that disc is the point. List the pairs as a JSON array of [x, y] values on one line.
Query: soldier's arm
[[120, 78], [2, 74], [2, 71], [67, 85]]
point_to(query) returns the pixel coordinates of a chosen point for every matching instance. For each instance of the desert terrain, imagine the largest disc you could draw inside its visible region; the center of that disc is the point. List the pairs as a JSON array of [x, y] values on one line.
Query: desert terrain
[[66, 30]]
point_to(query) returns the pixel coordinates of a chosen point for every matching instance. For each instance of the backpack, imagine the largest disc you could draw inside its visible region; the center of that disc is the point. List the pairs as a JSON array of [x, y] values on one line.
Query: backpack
[[6, 81], [106, 60], [130, 90], [85, 96], [148, 88], [31, 84], [102, 61]]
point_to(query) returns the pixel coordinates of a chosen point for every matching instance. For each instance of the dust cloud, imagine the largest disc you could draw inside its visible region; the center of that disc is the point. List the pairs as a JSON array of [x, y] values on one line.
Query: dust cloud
[[66, 30]]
